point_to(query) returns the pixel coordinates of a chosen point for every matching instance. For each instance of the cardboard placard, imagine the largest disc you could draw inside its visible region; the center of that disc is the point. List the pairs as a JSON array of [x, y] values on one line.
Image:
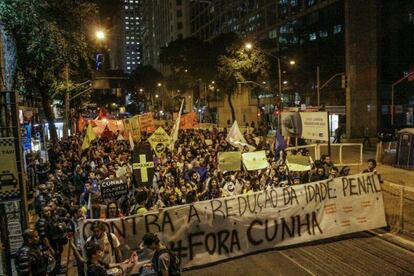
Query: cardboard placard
[[114, 188]]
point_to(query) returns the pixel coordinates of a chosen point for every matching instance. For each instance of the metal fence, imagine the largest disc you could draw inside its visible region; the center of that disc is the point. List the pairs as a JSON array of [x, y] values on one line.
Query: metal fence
[[346, 154], [399, 208]]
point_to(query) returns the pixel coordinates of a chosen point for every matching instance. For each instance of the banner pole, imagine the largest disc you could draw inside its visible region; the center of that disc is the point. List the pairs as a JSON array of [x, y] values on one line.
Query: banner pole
[[329, 136]]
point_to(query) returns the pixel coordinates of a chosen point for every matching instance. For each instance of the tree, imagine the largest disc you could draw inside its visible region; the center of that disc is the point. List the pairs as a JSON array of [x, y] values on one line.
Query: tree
[[189, 60], [238, 64], [51, 43], [145, 78]]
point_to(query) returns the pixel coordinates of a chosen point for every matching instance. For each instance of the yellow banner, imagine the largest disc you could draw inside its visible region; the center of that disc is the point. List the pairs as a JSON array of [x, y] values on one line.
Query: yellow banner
[[131, 125], [229, 161], [298, 163], [255, 160]]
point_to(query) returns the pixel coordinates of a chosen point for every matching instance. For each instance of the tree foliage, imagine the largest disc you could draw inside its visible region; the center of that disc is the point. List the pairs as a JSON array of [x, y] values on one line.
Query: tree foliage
[[50, 36], [144, 78], [223, 59]]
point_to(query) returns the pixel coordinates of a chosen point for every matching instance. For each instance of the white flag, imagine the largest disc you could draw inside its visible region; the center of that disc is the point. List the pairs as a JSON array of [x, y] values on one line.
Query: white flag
[[176, 127], [131, 142], [120, 137], [236, 138]]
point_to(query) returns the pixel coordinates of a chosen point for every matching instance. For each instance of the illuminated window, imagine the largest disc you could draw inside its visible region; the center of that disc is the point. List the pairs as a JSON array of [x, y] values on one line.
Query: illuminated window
[[337, 29], [312, 36], [323, 33]]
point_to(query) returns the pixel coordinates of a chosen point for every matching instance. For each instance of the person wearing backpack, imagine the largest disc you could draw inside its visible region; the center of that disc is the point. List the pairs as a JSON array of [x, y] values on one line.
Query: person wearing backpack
[[107, 241], [164, 262]]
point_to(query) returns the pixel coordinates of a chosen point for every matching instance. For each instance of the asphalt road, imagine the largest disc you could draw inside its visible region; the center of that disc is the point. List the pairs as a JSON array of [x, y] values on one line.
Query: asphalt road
[[355, 254]]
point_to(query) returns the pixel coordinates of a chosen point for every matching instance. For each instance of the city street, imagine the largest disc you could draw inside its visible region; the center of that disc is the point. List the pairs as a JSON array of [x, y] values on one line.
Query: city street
[[206, 137], [356, 254]]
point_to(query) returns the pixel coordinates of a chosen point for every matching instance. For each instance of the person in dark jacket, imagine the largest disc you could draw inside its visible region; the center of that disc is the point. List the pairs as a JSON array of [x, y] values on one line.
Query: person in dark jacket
[[29, 258]]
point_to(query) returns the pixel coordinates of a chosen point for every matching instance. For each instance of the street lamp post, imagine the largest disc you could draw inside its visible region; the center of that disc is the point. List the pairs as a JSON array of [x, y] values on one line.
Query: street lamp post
[[249, 46]]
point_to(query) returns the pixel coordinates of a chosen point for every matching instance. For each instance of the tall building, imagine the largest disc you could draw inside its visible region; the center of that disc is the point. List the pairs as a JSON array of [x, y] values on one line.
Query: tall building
[[370, 41], [164, 21], [132, 15]]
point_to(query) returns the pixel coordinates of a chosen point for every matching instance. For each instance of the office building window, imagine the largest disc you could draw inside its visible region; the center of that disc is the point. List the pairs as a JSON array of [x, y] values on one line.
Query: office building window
[[312, 36], [323, 33], [310, 3], [178, 2], [179, 14], [337, 29], [179, 25]]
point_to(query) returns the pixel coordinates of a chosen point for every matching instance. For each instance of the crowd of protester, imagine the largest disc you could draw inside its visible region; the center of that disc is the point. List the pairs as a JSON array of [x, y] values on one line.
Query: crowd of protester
[[67, 191]]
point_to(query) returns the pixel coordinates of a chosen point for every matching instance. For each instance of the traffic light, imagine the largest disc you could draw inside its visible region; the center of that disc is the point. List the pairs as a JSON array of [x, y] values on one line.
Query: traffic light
[[344, 81], [99, 61]]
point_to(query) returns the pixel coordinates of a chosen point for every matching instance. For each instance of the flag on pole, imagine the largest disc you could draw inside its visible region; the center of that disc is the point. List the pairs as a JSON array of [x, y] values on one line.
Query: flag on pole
[[131, 141], [279, 144], [81, 123], [236, 138], [89, 137], [176, 127]]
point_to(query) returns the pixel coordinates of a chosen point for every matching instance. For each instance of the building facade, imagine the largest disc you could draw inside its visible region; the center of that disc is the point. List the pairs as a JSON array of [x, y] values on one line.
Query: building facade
[[369, 41], [164, 21], [133, 31]]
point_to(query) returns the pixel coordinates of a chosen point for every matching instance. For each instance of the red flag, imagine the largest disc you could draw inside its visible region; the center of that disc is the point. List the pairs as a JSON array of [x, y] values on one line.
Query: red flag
[[81, 123]]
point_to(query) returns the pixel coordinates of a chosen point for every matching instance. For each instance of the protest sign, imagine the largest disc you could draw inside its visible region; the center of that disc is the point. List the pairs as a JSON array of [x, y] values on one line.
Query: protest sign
[[255, 160], [146, 122], [121, 171], [131, 125], [159, 141], [113, 189], [229, 161], [298, 163], [189, 121], [209, 231], [143, 165], [306, 125]]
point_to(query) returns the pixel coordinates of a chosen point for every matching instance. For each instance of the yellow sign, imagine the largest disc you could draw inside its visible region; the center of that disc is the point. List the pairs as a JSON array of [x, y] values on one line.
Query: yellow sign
[[159, 141], [229, 161], [255, 160], [298, 163], [131, 125], [9, 178]]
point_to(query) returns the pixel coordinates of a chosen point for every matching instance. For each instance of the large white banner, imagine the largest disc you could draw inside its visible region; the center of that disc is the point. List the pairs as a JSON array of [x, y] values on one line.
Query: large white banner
[[210, 231], [307, 125]]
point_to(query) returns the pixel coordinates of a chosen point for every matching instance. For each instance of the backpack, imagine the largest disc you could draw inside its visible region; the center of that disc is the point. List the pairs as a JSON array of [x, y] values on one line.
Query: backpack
[[174, 269]]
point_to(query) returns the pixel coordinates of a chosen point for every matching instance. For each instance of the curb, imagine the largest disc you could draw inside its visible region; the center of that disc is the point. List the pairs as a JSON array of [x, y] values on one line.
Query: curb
[[398, 240]]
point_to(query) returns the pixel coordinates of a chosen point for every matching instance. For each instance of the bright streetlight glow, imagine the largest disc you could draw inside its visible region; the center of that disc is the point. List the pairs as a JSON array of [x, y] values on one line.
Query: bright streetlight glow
[[263, 82], [213, 82], [285, 82], [140, 90], [292, 62], [159, 84], [156, 95], [186, 70], [248, 46], [100, 35]]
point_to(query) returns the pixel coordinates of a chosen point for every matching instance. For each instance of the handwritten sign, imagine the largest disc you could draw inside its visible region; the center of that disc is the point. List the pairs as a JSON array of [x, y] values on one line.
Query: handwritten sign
[[113, 188], [146, 122], [214, 230]]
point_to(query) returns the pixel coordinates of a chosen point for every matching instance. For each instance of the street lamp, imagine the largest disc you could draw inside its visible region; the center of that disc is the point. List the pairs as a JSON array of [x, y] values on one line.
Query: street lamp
[[248, 46], [159, 84], [292, 62], [100, 35]]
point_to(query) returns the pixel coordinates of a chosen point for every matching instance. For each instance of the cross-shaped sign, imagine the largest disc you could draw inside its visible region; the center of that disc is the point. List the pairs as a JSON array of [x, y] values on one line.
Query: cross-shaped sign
[[143, 166]]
